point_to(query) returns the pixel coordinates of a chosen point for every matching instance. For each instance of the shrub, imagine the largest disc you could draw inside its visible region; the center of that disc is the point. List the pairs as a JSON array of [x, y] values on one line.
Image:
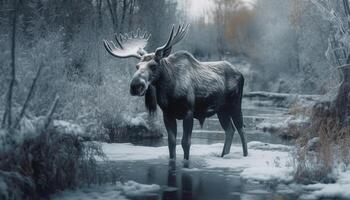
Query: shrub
[[52, 161], [322, 146], [126, 128]]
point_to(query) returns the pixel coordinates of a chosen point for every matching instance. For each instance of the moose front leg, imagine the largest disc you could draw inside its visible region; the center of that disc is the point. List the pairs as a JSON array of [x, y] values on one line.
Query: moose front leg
[[187, 132], [170, 125]]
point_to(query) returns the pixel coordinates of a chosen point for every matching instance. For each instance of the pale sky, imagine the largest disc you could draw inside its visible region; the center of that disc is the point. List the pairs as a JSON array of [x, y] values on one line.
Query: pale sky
[[198, 7]]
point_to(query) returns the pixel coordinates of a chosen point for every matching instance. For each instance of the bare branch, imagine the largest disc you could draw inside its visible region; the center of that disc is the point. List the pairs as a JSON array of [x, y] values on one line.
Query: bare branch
[[4, 117], [49, 114], [29, 96]]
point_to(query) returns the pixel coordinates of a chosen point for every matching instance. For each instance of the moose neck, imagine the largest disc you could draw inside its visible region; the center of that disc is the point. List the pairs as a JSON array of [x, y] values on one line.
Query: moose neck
[[157, 92], [165, 84], [167, 75]]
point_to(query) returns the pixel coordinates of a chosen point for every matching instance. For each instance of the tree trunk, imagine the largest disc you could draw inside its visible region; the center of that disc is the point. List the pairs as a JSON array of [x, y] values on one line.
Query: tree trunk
[[342, 101], [131, 15], [8, 111], [113, 8], [122, 22]]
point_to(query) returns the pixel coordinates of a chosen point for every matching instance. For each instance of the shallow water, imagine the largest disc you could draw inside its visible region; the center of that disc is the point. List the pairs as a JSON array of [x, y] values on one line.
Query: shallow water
[[191, 180], [179, 182]]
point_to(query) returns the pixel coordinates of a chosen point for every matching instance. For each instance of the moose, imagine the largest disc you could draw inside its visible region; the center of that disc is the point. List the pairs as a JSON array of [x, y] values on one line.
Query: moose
[[183, 87]]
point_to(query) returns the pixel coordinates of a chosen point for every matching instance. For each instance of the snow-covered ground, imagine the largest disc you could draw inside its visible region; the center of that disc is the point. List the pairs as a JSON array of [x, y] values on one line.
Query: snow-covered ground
[[280, 125], [339, 189], [118, 191]]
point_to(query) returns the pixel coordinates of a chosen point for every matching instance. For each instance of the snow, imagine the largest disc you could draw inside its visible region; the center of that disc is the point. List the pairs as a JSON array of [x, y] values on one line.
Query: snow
[[339, 189], [283, 99], [118, 191], [65, 127], [281, 95], [126, 151], [265, 161], [138, 120], [289, 120], [271, 125], [280, 174], [282, 123], [132, 188]]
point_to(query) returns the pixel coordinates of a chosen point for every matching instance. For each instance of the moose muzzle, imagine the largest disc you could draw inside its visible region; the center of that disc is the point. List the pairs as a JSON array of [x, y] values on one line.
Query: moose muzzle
[[138, 87]]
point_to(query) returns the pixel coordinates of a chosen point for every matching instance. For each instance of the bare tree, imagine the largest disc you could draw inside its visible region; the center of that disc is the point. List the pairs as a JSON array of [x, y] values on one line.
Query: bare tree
[[338, 52], [29, 96], [131, 14], [220, 17], [7, 118], [121, 12], [113, 11]]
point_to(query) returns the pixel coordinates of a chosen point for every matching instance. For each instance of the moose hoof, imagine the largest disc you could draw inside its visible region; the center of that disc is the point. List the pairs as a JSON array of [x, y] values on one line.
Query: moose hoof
[[245, 153]]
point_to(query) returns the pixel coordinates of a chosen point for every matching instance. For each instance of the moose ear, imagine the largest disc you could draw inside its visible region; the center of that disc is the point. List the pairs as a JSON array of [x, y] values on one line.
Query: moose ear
[[158, 55]]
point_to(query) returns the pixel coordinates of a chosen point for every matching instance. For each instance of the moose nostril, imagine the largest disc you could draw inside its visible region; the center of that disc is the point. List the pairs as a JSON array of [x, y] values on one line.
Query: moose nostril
[[137, 88]]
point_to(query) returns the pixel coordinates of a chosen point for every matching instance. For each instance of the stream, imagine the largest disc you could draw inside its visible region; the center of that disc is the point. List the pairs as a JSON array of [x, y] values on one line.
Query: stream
[[194, 180]]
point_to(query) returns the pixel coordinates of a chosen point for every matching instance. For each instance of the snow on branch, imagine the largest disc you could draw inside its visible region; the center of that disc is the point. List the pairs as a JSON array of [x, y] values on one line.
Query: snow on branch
[[338, 50]]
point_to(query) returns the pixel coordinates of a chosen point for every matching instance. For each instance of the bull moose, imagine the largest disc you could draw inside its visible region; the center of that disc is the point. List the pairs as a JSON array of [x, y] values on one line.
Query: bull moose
[[183, 87]]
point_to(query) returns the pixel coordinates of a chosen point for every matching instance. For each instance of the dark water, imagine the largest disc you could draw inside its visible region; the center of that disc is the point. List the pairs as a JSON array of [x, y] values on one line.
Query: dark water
[[191, 181]]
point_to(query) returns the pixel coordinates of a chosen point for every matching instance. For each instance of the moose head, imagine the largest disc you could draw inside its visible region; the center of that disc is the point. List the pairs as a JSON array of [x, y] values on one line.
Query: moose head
[[132, 45]]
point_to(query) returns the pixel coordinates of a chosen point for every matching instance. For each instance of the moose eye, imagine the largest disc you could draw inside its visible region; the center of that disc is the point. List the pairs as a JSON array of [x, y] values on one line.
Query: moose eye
[[137, 67]]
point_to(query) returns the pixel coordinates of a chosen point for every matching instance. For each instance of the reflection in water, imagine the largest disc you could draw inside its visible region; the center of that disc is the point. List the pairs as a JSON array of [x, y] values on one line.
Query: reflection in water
[[171, 191], [185, 188], [186, 181]]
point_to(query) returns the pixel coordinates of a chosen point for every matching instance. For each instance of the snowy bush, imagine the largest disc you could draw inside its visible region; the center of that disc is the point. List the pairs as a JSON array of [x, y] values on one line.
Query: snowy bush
[[140, 126], [322, 146], [52, 160]]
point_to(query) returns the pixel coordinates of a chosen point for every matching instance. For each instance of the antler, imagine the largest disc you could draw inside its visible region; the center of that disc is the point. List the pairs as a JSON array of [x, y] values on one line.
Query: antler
[[129, 45], [165, 50]]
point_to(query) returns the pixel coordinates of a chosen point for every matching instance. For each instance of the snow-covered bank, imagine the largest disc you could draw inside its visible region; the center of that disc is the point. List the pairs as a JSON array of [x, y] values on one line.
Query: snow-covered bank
[[118, 191], [265, 162], [339, 189], [287, 126], [281, 99]]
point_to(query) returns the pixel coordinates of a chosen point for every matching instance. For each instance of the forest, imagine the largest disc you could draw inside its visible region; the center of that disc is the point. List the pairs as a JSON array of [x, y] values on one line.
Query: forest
[[70, 127]]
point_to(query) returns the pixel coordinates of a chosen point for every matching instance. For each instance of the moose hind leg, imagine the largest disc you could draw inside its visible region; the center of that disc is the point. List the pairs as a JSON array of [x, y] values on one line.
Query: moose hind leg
[[226, 124], [187, 132], [238, 122]]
